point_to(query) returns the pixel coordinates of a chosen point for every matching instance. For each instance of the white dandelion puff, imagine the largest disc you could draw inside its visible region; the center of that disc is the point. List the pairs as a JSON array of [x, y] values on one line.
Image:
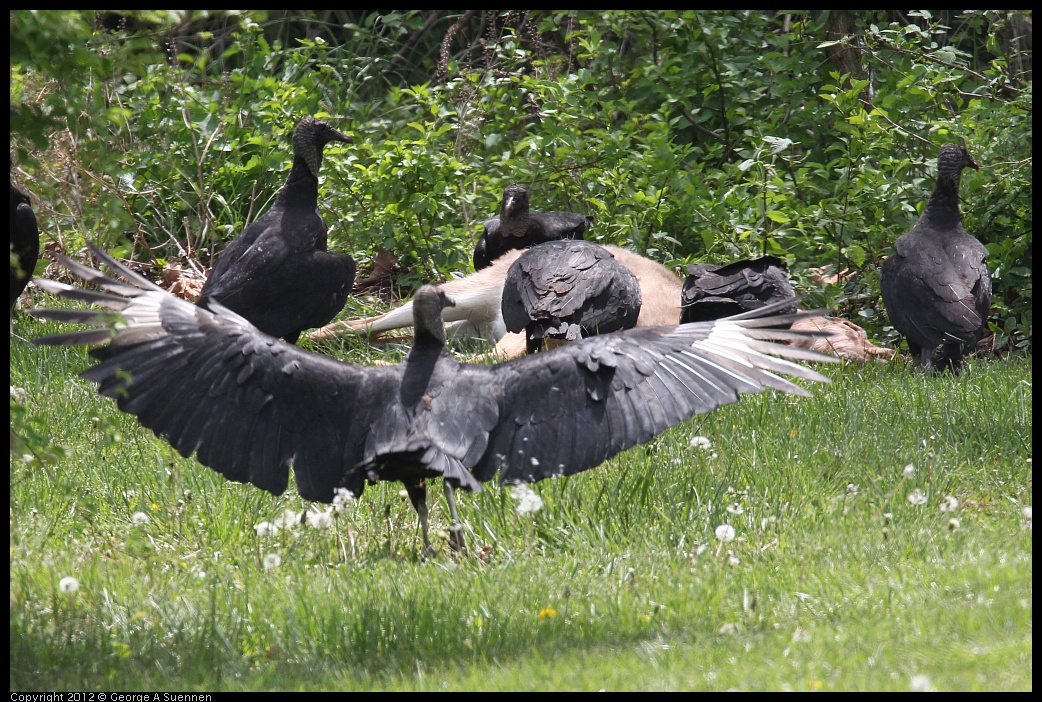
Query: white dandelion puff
[[266, 529], [953, 524], [921, 683], [917, 497], [949, 504], [909, 471], [528, 502], [342, 499], [725, 533], [701, 442], [735, 509], [68, 584], [139, 519], [320, 520], [288, 519], [272, 561]]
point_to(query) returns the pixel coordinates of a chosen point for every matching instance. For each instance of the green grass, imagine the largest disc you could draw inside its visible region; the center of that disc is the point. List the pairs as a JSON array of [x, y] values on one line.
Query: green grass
[[835, 580]]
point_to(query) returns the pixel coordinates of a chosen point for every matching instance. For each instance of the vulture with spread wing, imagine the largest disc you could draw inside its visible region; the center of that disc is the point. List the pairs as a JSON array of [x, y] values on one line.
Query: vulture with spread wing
[[252, 407]]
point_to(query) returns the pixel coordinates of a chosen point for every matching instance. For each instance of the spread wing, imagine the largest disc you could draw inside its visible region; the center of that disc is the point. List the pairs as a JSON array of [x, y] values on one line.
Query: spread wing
[[247, 405], [569, 409]]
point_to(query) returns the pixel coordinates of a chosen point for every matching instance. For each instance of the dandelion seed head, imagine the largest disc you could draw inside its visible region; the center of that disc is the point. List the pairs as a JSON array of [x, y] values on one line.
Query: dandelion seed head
[[342, 499], [266, 529], [528, 502], [921, 683], [851, 489], [917, 497], [18, 394], [735, 509], [68, 584], [272, 561], [953, 524], [909, 471], [949, 504], [320, 520], [288, 519], [1026, 512], [725, 533], [701, 442]]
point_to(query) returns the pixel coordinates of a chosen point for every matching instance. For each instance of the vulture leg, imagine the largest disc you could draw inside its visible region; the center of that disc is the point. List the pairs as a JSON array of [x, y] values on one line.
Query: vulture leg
[[456, 530], [418, 497]]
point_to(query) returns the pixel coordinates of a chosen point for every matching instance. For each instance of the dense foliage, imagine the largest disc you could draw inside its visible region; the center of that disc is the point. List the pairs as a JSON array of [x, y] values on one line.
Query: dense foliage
[[687, 135]]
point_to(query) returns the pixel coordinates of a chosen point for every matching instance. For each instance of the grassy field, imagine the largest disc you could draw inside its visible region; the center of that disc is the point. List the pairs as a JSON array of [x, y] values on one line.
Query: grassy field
[[882, 530]]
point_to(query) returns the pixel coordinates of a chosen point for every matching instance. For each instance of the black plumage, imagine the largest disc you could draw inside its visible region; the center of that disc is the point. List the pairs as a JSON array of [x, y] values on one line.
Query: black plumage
[[25, 242], [936, 287], [712, 292], [277, 273], [517, 227], [250, 406], [567, 290]]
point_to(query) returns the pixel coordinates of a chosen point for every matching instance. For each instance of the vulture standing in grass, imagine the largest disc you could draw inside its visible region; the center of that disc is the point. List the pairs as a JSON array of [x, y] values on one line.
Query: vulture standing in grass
[[712, 292], [936, 288], [25, 243], [250, 406], [567, 290], [277, 273], [517, 227]]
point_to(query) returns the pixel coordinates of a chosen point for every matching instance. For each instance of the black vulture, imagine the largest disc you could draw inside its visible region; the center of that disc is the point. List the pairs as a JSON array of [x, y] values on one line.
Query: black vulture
[[568, 290], [277, 273], [479, 309], [936, 288], [517, 227], [25, 243], [250, 406], [712, 292]]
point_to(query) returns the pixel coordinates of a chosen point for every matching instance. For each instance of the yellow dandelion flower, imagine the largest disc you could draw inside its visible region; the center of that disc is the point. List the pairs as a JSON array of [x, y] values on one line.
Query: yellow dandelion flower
[[547, 613]]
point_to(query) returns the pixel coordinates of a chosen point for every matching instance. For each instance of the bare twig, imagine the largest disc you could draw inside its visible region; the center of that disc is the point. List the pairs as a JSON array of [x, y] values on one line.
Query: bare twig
[[889, 121]]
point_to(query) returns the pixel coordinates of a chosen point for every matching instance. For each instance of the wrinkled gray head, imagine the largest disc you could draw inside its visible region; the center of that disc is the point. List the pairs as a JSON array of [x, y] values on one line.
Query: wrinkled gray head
[[951, 159], [515, 200], [309, 138], [427, 304]]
